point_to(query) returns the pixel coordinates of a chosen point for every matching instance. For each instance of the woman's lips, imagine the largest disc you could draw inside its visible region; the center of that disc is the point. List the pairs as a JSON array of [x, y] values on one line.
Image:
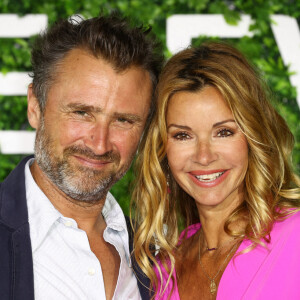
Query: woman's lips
[[209, 178]]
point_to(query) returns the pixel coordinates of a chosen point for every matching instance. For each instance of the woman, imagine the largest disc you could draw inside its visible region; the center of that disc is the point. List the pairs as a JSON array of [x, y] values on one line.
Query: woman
[[217, 161]]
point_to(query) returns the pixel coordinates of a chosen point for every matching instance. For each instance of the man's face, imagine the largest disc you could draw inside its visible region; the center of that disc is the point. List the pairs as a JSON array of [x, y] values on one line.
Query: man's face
[[91, 126]]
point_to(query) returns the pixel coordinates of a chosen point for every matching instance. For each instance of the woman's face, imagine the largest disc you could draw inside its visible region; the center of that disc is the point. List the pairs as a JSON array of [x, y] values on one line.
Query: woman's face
[[206, 150]]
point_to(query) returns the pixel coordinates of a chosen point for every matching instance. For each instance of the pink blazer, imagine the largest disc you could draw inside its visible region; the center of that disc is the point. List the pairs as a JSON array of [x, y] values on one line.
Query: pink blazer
[[261, 274]]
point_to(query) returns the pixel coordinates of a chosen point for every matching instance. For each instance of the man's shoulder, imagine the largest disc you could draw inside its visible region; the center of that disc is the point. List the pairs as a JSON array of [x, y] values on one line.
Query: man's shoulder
[[16, 172], [13, 207]]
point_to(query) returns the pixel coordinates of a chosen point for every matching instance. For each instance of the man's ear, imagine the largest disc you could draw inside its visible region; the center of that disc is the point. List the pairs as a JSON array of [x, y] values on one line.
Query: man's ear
[[33, 108]]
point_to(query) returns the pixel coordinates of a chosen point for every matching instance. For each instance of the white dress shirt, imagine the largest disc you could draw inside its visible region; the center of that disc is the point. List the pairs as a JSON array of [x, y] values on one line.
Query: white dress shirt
[[64, 265]]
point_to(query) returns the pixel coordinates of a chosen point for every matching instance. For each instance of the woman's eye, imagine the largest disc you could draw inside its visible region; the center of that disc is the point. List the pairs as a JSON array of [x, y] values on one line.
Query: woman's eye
[[181, 136], [224, 133]]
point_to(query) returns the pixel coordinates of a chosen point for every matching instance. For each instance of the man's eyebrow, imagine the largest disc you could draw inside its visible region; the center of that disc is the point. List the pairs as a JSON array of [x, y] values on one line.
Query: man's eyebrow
[[131, 117], [80, 106], [91, 108]]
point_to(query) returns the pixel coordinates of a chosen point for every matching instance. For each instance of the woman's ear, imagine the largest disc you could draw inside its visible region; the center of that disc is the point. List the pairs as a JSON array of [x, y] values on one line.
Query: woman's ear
[[33, 108]]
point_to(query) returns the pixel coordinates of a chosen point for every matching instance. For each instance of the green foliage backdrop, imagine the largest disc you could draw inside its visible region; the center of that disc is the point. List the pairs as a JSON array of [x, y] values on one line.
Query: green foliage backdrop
[[261, 50]]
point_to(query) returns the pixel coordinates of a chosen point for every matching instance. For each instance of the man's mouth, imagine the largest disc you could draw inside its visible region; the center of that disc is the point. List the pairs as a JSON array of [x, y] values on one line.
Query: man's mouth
[[92, 162]]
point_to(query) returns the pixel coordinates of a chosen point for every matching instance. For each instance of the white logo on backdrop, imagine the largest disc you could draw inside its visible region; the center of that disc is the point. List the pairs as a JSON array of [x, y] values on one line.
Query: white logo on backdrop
[[15, 83], [181, 29]]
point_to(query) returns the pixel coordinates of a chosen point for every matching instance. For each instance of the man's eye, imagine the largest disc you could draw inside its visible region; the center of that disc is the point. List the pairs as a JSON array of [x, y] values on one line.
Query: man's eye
[[181, 136], [80, 113], [124, 120], [124, 123], [224, 133]]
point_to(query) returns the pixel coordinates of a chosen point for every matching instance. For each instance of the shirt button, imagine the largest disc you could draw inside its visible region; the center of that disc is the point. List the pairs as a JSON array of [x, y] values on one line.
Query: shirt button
[[91, 271], [68, 223]]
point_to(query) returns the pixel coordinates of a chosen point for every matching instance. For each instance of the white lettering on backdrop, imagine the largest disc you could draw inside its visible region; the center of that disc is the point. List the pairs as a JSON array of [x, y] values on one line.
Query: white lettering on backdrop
[[181, 29]]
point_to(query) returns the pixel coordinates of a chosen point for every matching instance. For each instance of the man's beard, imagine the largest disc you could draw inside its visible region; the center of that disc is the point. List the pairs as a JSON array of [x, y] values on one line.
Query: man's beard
[[78, 182]]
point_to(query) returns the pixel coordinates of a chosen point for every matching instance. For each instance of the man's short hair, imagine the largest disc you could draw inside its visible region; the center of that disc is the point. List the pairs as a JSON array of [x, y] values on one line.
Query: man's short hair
[[111, 38]]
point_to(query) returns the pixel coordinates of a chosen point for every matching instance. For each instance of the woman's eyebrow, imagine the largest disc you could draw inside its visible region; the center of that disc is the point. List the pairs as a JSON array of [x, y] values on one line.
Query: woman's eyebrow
[[223, 122], [188, 128], [179, 126]]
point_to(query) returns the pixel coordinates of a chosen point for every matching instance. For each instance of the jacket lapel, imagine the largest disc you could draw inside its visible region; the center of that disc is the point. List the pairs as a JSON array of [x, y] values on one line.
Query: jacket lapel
[[15, 231], [142, 280]]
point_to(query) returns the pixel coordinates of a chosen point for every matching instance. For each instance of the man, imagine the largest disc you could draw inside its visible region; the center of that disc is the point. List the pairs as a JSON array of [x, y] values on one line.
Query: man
[[63, 235]]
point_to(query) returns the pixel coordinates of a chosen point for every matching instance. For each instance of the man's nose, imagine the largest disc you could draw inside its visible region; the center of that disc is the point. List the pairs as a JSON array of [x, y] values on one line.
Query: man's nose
[[99, 139]]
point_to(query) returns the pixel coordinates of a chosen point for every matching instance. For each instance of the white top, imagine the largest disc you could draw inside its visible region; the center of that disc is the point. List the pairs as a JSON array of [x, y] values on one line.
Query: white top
[[64, 265]]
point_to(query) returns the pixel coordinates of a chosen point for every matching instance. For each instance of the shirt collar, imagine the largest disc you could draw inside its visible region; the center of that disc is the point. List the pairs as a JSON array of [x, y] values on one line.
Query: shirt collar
[[115, 220], [42, 215]]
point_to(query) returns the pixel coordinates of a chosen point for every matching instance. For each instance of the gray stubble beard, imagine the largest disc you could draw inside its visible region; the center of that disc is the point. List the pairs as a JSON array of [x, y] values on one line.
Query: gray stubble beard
[[65, 178]]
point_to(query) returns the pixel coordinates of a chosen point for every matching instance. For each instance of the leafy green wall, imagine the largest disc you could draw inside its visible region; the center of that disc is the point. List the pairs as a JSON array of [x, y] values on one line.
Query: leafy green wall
[[261, 50]]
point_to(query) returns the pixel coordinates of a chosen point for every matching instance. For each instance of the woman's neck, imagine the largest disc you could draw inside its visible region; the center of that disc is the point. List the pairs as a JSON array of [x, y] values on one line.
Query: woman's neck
[[212, 223]]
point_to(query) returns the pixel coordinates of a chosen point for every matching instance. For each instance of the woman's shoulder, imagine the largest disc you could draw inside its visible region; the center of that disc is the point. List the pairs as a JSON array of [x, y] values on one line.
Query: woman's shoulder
[[288, 226], [291, 220], [189, 231]]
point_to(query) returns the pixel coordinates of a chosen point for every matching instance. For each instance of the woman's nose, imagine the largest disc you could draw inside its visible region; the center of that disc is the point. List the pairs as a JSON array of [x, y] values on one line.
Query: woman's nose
[[204, 153]]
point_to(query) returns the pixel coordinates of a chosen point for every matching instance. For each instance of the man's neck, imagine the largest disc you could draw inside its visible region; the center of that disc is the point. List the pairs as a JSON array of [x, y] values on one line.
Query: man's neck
[[87, 215]]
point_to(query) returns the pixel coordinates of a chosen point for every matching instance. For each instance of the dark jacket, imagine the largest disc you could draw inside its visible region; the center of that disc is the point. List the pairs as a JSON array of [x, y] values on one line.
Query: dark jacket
[[16, 267]]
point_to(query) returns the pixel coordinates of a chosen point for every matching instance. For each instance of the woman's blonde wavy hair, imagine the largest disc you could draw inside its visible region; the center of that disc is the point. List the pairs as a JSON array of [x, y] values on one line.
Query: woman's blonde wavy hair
[[272, 189]]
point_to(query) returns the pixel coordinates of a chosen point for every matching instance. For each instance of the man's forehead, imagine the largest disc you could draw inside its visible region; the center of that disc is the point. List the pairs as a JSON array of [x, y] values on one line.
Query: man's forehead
[[80, 56], [86, 82], [80, 61]]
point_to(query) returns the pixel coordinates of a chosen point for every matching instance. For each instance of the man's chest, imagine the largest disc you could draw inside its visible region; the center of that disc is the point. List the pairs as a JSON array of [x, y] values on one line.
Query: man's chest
[[70, 265]]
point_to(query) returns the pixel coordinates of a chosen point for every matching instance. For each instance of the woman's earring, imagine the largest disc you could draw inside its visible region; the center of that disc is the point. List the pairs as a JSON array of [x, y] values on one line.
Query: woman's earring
[[168, 180]]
